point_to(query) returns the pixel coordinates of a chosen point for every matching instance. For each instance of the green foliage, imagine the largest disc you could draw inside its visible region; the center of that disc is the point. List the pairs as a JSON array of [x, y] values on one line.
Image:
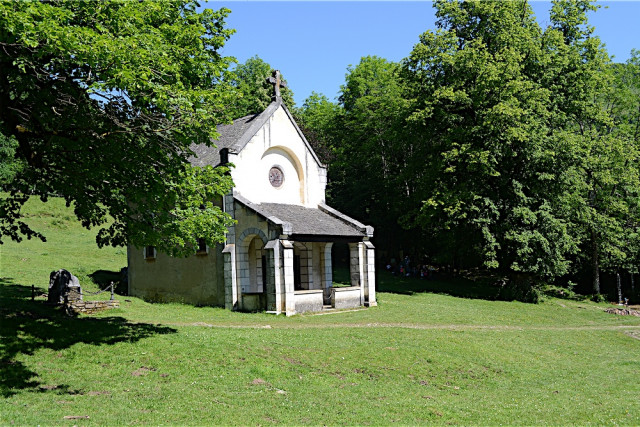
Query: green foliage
[[369, 176], [254, 93], [9, 165], [319, 120], [483, 114], [497, 143], [104, 100]]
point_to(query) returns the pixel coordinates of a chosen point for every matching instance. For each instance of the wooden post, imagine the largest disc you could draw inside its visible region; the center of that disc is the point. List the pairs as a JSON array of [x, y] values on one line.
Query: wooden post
[[619, 288]]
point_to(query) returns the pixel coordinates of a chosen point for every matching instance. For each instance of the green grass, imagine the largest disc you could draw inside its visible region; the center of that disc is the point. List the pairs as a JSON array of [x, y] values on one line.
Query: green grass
[[418, 358]]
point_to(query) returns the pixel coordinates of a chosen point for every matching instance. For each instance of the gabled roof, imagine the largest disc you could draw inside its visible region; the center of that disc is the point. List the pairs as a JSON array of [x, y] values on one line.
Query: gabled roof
[[236, 136]]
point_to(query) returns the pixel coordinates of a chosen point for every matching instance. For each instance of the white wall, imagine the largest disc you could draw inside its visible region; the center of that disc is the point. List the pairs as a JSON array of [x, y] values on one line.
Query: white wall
[[278, 144]]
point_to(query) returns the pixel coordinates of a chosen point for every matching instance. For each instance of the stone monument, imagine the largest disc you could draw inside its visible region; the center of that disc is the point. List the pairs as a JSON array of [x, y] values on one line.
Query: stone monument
[[63, 287]]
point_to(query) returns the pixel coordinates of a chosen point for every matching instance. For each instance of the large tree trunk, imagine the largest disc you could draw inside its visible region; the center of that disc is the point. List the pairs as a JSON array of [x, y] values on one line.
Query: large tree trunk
[[633, 287], [595, 262]]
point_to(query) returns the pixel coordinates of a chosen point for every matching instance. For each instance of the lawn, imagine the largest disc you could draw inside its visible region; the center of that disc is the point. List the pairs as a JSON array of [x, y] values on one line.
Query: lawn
[[418, 358]]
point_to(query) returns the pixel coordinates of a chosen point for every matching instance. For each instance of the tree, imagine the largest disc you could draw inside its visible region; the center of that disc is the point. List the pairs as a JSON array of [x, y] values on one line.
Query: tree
[[103, 101], [369, 176], [319, 120], [493, 187], [254, 92], [9, 165], [593, 125]]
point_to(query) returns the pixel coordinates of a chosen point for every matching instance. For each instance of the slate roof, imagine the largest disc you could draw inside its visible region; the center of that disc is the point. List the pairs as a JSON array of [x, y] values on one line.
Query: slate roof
[[236, 135], [307, 221], [229, 136]]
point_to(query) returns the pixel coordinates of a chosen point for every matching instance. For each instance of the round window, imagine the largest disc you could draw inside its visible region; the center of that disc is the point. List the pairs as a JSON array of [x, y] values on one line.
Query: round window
[[276, 176]]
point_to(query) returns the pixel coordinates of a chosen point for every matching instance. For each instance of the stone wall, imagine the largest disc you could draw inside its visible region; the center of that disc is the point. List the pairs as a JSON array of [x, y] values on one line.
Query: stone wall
[[348, 297], [89, 307], [197, 279], [308, 300]]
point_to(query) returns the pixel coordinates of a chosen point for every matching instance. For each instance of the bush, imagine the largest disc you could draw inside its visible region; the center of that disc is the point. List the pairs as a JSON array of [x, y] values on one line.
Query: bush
[[520, 288], [560, 291]]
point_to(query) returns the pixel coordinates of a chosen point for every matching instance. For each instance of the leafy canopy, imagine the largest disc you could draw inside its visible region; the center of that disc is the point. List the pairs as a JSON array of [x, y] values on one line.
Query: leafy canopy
[[254, 92], [100, 102]]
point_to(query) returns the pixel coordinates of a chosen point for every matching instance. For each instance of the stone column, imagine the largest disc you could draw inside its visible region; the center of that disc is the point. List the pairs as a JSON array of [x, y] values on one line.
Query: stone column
[[317, 260], [230, 283], [328, 273], [231, 293], [370, 288], [362, 266], [357, 267], [306, 265], [242, 258], [275, 285], [290, 302]]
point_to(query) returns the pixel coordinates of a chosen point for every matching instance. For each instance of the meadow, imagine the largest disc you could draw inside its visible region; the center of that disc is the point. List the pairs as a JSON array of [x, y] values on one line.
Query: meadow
[[432, 352]]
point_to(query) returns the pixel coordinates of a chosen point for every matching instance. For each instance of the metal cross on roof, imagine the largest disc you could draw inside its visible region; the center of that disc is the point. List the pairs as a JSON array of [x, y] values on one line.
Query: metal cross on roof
[[277, 82]]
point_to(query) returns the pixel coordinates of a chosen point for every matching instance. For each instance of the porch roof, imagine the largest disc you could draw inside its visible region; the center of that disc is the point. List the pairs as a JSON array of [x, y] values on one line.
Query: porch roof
[[300, 220]]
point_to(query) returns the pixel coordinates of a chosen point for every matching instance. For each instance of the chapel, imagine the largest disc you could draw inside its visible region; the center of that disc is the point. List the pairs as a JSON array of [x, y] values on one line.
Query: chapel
[[278, 256]]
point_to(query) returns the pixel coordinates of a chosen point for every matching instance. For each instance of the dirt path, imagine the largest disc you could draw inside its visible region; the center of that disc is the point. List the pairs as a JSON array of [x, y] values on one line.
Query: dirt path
[[453, 327]]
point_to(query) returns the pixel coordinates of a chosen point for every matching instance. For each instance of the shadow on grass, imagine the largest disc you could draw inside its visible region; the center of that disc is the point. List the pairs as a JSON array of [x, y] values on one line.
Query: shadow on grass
[[27, 326], [458, 286], [103, 278]]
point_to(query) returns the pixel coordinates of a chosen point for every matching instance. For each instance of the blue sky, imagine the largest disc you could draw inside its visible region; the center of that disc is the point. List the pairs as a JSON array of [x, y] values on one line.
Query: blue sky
[[313, 42]]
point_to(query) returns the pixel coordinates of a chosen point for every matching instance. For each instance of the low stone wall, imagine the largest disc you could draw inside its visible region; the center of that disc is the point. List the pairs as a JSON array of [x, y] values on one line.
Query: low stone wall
[[253, 301], [89, 307], [348, 297], [623, 311], [309, 300]]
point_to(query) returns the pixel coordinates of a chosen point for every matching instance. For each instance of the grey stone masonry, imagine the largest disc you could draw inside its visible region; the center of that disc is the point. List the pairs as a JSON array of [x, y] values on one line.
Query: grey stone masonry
[[290, 303], [328, 272], [230, 286], [90, 307], [345, 297], [308, 300], [370, 288], [229, 207], [273, 276]]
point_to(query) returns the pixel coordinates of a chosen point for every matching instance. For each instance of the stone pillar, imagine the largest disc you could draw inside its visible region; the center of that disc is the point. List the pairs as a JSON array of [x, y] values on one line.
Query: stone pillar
[[230, 285], [242, 258], [229, 207], [328, 273], [231, 293], [357, 267], [317, 258], [306, 266], [370, 288], [290, 302], [275, 285], [362, 266]]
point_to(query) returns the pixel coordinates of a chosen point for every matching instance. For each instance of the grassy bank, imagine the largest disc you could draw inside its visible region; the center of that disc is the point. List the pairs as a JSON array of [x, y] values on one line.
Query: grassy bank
[[417, 358]]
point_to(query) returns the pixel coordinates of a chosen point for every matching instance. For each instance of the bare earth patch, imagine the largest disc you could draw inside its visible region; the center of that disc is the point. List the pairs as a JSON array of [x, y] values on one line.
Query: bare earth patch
[[143, 370]]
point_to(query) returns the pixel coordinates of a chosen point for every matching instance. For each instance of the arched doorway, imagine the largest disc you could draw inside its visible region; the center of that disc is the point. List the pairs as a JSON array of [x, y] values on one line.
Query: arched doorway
[[252, 270]]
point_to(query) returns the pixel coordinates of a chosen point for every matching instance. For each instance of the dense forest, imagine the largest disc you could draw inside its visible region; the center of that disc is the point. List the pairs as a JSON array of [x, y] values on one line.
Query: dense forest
[[496, 145]]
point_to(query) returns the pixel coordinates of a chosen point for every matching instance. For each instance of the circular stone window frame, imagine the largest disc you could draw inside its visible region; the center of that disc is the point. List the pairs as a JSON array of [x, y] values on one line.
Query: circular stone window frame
[[279, 168]]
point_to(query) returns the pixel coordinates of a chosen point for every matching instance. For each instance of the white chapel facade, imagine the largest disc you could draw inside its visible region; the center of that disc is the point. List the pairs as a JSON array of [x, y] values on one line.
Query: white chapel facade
[[277, 257]]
